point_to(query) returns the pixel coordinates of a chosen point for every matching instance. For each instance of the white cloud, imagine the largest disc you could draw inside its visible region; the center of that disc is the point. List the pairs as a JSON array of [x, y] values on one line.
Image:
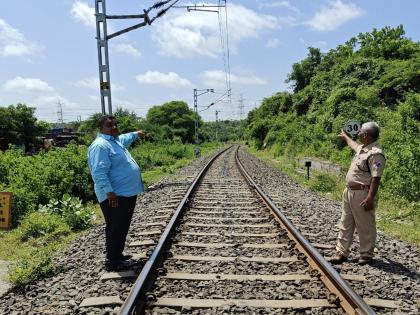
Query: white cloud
[[20, 84], [184, 34], [128, 49], [93, 84], [51, 101], [273, 43], [217, 78], [278, 4], [118, 102], [337, 13], [171, 79], [90, 83], [14, 43], [83, 13]]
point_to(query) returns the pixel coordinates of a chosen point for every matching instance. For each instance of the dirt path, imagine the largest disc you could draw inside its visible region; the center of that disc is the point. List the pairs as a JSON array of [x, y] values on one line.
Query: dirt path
[[4, 284]]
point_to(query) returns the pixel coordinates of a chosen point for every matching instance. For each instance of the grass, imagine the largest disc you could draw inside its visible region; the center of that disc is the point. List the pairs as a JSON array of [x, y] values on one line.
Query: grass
[[31, 259], [156, 174], [395, 217]]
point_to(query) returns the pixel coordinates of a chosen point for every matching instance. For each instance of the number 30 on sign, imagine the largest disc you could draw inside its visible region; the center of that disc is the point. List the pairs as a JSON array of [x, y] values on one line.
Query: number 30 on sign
[[352, 127]]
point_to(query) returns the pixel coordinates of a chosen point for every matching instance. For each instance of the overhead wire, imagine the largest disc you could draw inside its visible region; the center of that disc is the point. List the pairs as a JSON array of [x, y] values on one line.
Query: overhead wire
[[222, 44], [220, 99], [227, 47], [160, 4]]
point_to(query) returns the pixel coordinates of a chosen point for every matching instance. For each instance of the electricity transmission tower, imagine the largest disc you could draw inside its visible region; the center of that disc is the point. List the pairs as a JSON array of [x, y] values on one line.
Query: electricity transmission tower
[[60, 121], [102, 38]]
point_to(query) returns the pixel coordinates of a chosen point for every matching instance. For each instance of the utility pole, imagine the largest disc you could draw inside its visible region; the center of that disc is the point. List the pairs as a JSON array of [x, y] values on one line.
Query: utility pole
[[60, 121], [196, 95], [102, 38], [195, 118], [241, 106], [217, 124]]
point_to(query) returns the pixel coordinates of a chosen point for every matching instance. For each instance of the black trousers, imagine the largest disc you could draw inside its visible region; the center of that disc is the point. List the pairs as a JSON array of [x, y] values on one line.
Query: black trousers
[[117, 224]]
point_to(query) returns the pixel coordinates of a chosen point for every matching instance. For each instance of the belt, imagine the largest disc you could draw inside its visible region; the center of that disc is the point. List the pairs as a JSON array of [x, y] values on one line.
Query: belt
[[358, 187]]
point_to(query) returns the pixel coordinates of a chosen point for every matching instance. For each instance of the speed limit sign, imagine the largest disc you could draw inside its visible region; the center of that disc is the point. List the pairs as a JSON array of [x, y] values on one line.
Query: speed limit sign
[[352, 127]]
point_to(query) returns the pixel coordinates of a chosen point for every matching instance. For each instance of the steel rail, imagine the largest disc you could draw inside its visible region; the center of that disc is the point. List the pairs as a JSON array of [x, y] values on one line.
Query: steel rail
[[351, 302], [136, 300]]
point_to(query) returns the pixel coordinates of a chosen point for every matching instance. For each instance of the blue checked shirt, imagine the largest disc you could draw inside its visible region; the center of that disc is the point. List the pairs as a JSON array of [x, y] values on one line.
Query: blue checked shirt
[[112, 167]]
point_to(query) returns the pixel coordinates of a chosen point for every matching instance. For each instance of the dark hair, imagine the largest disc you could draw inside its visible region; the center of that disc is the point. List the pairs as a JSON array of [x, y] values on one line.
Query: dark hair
[[103, 119]]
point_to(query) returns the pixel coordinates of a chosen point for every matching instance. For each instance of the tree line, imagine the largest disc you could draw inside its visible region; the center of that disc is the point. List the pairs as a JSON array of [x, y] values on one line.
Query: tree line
[[169, 122], [373, 76]]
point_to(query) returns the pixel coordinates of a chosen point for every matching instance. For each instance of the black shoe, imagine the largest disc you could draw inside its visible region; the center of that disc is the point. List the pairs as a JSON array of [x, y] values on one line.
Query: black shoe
[[117, 265], [338, 258], [124, 257], [364, 260]]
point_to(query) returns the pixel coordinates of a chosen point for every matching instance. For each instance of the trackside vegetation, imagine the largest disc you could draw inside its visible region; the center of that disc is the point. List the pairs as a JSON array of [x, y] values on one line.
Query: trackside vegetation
[[53, 196], [372, 77]]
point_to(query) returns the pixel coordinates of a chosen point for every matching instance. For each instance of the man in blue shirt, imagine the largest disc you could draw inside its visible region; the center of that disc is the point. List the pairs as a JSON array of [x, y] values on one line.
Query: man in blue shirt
[[117, 180]]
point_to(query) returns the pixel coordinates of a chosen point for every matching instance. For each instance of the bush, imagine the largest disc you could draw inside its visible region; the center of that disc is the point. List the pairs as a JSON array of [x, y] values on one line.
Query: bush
[[177, 151], [40, 178], [38, 224], [34, 264], [75, 214], [374, 82], [322, 183]]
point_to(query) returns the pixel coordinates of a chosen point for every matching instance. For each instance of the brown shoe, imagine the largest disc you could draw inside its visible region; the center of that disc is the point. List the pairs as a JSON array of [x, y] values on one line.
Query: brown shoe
[[338, 258], [364, 260]]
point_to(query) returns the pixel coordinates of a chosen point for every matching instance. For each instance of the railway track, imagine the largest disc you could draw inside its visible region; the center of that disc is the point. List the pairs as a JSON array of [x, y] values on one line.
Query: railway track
[[231, 253], [228, 249]]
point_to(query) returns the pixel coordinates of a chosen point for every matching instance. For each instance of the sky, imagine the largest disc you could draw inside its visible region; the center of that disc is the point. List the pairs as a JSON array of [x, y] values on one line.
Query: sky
[[48, 51]]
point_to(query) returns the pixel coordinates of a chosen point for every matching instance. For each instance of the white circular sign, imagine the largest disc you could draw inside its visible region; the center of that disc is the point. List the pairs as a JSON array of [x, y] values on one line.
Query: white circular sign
[[352, 127]]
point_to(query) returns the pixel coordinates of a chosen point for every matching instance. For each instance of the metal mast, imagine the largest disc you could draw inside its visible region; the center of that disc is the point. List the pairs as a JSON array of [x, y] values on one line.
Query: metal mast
[[241, 106], [196, 95], [195, 118], [217, 124], [102, 38], [103, 57]]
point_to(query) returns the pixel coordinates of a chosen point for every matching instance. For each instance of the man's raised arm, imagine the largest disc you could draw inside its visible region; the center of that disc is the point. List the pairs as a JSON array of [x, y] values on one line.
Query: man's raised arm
[[350, 142]]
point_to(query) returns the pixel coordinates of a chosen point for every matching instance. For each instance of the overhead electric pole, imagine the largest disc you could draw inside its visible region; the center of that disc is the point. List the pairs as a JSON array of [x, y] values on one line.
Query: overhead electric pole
[[196, 95], [102, 38], [241, 106], [217, 124]]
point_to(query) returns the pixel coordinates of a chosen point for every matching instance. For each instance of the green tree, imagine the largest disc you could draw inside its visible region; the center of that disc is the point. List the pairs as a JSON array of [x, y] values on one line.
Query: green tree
[[127, 121], [18, 125], [91, 125], [303, 71], [388, 43], [176, 119], [372, 77]]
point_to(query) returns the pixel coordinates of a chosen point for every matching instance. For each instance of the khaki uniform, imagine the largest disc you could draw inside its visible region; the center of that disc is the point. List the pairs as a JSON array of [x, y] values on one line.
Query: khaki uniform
[[368, 162]]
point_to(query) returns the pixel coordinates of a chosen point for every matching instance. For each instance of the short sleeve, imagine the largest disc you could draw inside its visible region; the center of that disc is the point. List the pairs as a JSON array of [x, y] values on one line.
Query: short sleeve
[[376, 165]]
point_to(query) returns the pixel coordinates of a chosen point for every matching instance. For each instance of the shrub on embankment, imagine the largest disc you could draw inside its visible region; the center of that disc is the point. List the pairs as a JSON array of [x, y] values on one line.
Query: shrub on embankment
[[38, 179], [48, 176], [372, 77]]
